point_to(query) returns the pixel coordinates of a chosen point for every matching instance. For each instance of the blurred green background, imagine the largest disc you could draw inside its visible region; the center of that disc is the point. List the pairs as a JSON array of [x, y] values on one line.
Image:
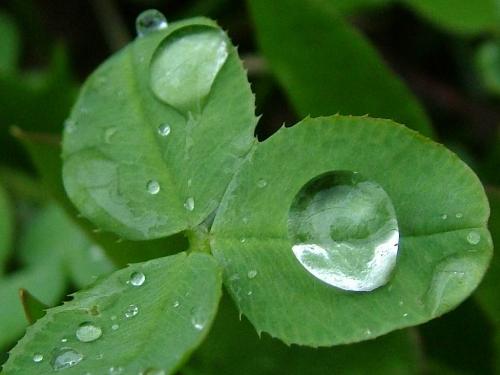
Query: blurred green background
[[446, 52]]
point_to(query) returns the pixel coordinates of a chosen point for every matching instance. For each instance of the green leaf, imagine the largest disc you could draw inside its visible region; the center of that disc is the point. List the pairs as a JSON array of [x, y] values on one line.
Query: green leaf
[[488, 65], [152, 324], [5, 228], [233, 347], [460, 16], [33, 308], [441, 211], [52, 233], [349, 7], [333, 69], [138, 166], [9, 44]]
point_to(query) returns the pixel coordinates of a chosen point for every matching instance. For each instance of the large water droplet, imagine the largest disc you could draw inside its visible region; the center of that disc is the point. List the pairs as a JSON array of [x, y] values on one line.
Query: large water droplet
[[149, 21], [64, 358], [344, 231], [153, 187], [185, 65], [37, 357], [137, 278], [131, 311], [473, 238], [164, 130], [88, 332], [189, 204]]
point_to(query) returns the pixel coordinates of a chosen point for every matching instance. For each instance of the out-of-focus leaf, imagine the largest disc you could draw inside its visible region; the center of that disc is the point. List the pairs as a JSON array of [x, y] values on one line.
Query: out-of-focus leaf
[[33, 308], [348, 7], [5, 228], [233, 347], [9, 44], [488, 65], [461, 16], [332, 68]]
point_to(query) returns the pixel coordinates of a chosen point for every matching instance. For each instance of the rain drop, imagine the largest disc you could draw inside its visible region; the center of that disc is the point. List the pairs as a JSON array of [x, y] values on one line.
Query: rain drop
[[344, 231], [251, 274], [153, 187], [37, 357], [164, 130], [262, 183], [459, 215], [444, 216], [64, 358], [131, 311], [149, 21], [473, 238], [88, 332], [177, 304], [189, 204], [109, 133], [137, 278], [114, 327]]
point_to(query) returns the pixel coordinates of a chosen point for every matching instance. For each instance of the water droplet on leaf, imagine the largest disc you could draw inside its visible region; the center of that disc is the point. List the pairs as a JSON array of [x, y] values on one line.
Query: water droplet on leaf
[[185, 66], [262, 183], [88, 332], [137, 278], [251, 274], [115, 370], [344, 231], [109, 133], [459, 215], [164, 130], [149, 21], [176, 304], [153, 187], [37, 357], [114, 327], [64, 358], [189, 204], [131, 311], [473, 238]]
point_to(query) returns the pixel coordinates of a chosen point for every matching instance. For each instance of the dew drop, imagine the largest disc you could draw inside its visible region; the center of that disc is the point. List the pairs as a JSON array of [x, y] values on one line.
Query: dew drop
[[164, 130], [114, 327], [185, 65], [131, 311], [262, 183], [473, 238], [251, 274], [137, 278], [64, 358], [64, 339], [115, 370], [177, 304], [109, 133], [150, 21], [37, 357], [189, 204], [153, 187], [88, 332], [197, 322], [344, 231], [444, 216], [459, 215]]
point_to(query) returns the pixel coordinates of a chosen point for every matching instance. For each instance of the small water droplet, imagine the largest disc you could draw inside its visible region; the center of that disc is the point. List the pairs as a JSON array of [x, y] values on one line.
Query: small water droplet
[[153, 371], [251, 274], [262, 183], [109, 133], [368, 332], [177, 304], [444, 216], [196, 320], [69, 126], [243, 240], [113, 317], [64, 358], [164, 130], [64, 339], [131, 311], [189, 204], [344, 231], [88, 332], [115, 370], [137, 278], [37, 357], [401, 303], [114, 327], [153, 187], [405, 315], [249, 293], [473, 238], [150, 21], [459, 215]]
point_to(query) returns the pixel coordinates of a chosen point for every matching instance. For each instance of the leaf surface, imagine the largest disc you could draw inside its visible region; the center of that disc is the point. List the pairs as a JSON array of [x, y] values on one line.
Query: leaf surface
[[5, 228], [153, 324], [438, 202]]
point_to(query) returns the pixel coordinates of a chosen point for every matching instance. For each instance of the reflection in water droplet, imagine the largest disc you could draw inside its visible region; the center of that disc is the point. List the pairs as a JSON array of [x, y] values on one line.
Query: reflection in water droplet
[[37, 357], [473, 238], [262, 183], [64, 358], [153, 187], [150, 21], [196, 320], [185, 66], [137, 278], [344, 231], [189, 204], [88, 332], [131, 311], [251, 274], [164, 130]]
